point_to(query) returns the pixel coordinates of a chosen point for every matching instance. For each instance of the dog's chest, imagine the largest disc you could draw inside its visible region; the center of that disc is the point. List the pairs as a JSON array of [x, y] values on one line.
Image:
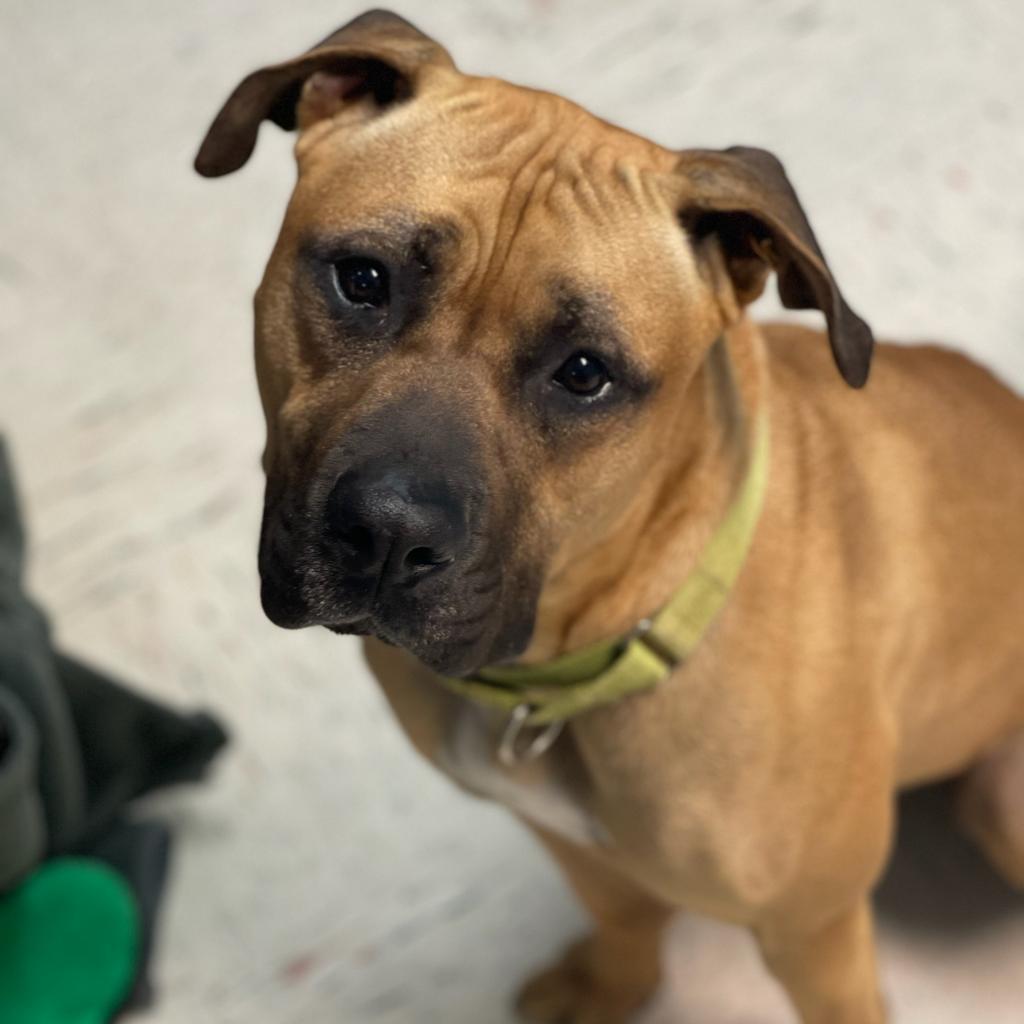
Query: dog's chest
[[549, 792]]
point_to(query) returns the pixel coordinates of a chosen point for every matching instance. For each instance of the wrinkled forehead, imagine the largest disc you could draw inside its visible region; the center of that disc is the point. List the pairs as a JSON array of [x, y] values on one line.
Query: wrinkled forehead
[[520, 187]]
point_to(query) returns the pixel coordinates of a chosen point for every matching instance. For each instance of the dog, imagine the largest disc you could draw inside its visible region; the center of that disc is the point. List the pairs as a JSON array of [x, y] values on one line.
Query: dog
[[689, 601]]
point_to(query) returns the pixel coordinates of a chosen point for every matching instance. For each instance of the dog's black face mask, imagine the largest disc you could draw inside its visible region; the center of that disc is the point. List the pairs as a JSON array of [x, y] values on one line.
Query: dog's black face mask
[[395, 534]]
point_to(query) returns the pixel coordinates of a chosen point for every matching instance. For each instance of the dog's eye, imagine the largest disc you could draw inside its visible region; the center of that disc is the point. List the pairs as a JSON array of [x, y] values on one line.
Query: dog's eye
[[583, 374], [362, 282]]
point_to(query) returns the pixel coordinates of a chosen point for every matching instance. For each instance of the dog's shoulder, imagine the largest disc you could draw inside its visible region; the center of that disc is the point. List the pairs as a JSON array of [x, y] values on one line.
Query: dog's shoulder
[[901, 374]]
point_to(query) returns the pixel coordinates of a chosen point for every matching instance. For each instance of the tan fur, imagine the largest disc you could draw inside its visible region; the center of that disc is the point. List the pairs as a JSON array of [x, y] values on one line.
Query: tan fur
[[873, 641], [875, 637]]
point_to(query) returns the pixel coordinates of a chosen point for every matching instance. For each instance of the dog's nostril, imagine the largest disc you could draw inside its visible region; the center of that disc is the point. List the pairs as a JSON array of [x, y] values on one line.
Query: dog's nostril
[[358, 538], [424, 558]]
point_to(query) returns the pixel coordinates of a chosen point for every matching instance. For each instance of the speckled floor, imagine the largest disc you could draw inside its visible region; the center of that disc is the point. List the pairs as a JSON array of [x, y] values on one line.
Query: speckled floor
[[326, 875]]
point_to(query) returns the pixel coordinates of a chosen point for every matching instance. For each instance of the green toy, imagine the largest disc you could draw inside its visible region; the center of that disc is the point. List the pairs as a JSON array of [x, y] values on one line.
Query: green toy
[[70, 941]]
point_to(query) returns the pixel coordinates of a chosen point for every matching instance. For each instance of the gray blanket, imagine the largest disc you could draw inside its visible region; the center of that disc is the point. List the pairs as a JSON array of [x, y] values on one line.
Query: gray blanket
[[75, 746]]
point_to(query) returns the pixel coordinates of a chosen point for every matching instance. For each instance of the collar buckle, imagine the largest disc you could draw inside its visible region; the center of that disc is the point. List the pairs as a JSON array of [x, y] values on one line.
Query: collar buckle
[[643, 632]]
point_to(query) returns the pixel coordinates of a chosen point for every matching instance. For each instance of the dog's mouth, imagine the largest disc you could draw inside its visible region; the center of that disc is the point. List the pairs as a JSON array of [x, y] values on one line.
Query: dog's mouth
[[357, 627], [433, 630], [444, 621]]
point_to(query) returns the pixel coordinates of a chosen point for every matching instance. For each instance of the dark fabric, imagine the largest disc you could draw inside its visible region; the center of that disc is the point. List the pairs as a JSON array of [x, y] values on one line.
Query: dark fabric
[[140, 852], [130, 745], [28, 671], [22, 826], [99, 744], [76, 747]]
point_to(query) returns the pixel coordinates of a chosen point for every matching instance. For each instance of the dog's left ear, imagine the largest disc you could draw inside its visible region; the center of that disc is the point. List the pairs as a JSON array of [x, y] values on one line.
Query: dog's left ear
[[377, 60], [742, 197]]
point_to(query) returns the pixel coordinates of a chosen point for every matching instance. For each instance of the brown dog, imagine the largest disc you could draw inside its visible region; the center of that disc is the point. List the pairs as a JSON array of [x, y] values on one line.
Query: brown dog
[[511, 393]]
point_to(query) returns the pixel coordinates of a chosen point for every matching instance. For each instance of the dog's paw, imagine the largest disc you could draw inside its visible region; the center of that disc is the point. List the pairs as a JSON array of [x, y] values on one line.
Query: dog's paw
[[570, 993]]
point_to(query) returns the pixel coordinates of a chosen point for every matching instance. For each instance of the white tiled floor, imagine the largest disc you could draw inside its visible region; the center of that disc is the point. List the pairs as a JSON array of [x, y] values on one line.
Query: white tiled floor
[[326, 875]]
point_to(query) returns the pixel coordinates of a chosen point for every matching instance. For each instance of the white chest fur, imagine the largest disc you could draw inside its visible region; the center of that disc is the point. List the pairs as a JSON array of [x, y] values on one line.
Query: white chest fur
[[546, 792]]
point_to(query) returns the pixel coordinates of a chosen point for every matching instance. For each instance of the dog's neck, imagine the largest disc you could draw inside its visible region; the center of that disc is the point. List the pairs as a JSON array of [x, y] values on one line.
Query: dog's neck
[[631, 571]]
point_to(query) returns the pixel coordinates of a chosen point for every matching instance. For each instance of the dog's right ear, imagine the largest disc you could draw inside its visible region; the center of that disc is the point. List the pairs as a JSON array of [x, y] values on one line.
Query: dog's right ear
[[374, 61]]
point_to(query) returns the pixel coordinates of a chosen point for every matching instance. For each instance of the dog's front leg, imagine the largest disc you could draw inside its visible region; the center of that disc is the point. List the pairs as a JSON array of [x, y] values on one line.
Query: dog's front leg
[[828, 971], [605, 977]]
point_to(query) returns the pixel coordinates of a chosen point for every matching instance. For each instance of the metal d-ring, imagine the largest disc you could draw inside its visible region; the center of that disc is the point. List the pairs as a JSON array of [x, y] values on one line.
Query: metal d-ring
[[509, 752]]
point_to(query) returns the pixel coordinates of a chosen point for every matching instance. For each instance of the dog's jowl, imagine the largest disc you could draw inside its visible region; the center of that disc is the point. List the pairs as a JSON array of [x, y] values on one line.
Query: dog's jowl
[[676, 587]]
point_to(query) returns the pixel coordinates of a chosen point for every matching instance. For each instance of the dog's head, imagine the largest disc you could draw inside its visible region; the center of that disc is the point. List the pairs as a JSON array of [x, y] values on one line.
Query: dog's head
[[477, 330]]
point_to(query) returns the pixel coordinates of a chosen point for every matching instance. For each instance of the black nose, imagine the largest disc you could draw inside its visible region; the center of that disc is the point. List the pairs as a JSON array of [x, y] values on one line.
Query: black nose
[[395, 525]]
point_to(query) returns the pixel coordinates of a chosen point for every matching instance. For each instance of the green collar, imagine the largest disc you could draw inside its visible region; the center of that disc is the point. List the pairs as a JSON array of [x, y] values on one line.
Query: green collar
[[605, 672]]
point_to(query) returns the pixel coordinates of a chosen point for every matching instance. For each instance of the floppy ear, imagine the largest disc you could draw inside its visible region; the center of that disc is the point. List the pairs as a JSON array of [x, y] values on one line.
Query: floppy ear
[[743, 197], [374, 61]]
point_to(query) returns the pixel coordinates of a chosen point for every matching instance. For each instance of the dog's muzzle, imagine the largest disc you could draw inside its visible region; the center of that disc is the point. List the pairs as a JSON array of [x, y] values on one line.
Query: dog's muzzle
[[395, 535], [366, 555]]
